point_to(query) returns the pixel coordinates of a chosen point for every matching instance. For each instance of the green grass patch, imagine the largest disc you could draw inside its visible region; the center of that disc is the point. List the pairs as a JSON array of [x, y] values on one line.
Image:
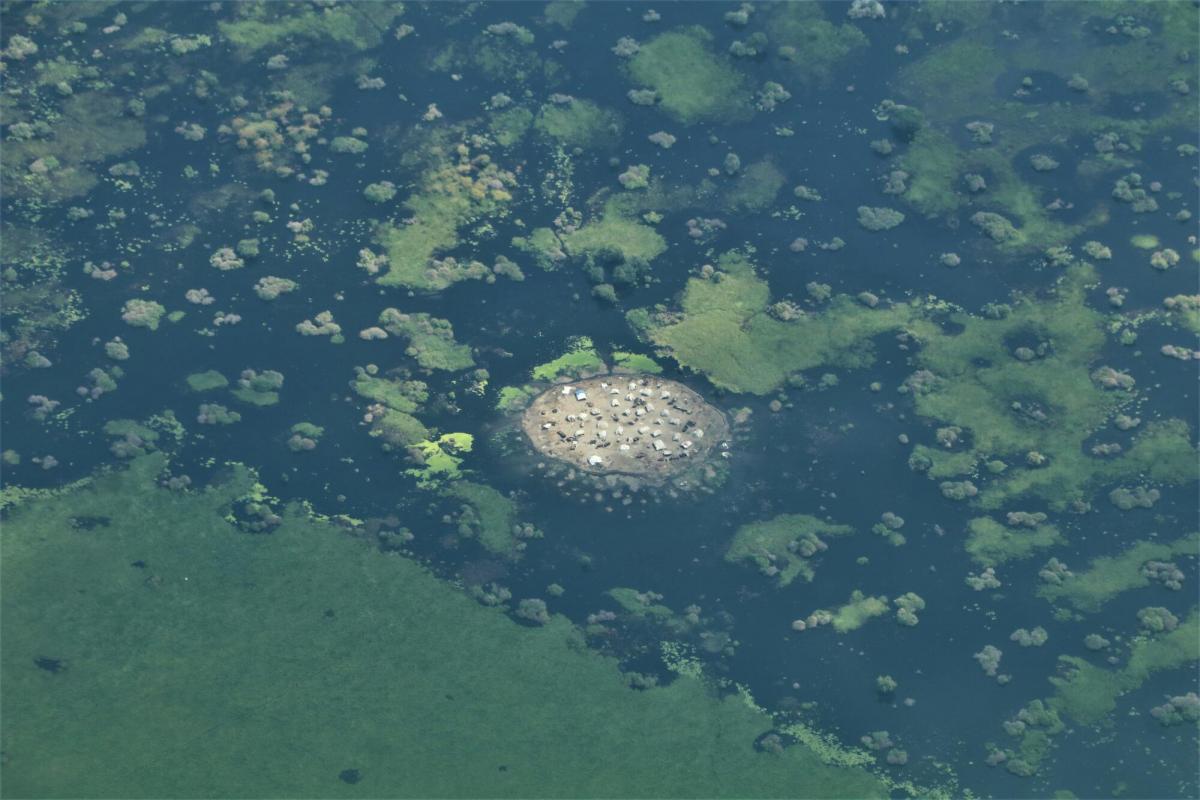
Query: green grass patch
[[694, 83], [1048, 404], [635, 362], [860, 610], [991, 543], [783, 547], [395, 393], [206, 381], [579, 123], [613, 232], [723, 330], [430, 340], [936, 187], [508, 127], [579, 359], [452, 194], [1108, 576], [262, 25], [810, 46], [755, 188], [486, 515], [514, 398], [1089, 693], [366, 652]]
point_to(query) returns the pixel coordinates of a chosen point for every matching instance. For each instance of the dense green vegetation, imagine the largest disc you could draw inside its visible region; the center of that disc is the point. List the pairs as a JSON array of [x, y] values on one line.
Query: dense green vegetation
[[218, 647]]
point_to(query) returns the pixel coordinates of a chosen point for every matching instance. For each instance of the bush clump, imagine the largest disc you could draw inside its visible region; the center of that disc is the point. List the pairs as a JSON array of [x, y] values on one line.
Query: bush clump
[[143, 313], [879, 219]]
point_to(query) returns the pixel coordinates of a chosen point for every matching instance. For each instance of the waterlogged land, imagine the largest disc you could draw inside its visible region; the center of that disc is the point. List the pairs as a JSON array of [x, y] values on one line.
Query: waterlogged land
[[282, 281]]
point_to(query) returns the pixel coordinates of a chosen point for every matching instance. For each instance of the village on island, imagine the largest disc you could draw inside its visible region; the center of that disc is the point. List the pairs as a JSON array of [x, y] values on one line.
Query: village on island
[[633, 425]]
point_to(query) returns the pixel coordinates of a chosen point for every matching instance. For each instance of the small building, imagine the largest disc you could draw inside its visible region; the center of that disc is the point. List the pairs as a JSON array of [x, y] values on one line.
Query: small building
[[595, 460], [580, 394]]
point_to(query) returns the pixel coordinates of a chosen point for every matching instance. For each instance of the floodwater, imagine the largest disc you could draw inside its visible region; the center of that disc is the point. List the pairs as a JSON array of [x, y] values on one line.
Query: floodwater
[[831, 452]]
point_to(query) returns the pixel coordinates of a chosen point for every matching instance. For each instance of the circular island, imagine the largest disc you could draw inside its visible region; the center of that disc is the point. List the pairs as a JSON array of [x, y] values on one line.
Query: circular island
[[634, 425]]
